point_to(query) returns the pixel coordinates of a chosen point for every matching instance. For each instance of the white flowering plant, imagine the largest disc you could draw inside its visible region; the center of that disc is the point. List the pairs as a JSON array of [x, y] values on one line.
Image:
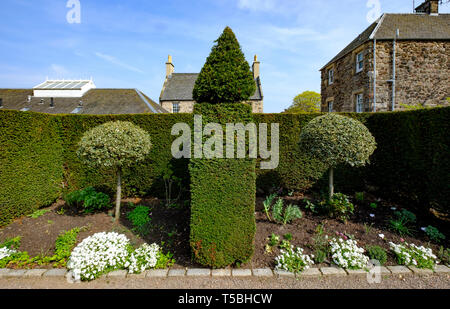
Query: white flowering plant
[[412, 255], [105, 252], [6, 252], [293, 260], [347, 254]]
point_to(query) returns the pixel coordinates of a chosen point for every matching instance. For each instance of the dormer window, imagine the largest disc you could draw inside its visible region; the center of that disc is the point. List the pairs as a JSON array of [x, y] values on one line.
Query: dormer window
[[359, 62]]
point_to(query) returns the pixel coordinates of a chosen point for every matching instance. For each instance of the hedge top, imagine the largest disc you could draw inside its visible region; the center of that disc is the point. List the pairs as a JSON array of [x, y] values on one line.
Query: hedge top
[[226, 75], [336, 139], [114, 145]]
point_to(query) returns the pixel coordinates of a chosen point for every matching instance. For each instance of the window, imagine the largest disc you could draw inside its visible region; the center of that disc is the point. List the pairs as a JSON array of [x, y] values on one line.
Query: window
[[359, 62], [359, 102], [330, 77], [1, 102], [330, 106], [176, 108]]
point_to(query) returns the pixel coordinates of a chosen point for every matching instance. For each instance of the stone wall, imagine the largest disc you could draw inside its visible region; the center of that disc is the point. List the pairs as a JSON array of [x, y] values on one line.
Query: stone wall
[[422, 76], [188, 106]]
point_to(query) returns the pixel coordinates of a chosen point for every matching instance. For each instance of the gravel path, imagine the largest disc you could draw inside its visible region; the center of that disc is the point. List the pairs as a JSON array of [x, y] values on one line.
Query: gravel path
[[441, 281]]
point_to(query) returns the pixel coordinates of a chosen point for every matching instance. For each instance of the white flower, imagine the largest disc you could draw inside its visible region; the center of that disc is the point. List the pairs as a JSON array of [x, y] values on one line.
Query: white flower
[[5, 252], [293, 260], [372, 215], [347, 254], [394, 208], [424, 229], [381, 236]]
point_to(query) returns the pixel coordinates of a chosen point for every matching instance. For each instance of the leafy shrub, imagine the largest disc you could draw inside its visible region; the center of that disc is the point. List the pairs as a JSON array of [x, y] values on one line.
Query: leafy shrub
[[347, 254], [288, 236], [12, 243], [339, 206], [377, 253], [406, 216], [335, 140], [274, 240], [434, 234], [285, 215], [410, 254], [312, 207], [293, 260], [359, 196], [140, 219], [89, 199]]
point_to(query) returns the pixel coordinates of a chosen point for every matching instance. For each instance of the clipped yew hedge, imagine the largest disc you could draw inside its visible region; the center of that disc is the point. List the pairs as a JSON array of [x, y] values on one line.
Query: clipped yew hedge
[[31, 162], [223, 193], [38, 158]]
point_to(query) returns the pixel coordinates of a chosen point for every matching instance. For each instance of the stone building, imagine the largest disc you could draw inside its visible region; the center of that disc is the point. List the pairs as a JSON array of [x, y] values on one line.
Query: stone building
[[176, 94], [399, 60]]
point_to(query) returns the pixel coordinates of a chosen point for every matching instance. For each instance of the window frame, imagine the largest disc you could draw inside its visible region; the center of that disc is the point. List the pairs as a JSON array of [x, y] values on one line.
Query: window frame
[[358, 62], [177, 104], [330, 104], [359, 104], [331, 76]]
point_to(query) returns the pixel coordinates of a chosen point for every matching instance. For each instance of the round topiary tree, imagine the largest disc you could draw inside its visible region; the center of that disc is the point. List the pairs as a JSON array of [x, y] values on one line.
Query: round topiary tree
[[335, 139], [114, 146], [226, 75]]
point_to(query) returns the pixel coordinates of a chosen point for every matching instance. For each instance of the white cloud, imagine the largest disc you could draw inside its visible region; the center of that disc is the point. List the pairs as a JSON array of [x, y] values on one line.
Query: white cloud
[[59, 70], [115, 61], [257, 5]]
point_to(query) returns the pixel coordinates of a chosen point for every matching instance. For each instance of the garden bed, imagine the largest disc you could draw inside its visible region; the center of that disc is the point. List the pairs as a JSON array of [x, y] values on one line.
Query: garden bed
[[169, 227]]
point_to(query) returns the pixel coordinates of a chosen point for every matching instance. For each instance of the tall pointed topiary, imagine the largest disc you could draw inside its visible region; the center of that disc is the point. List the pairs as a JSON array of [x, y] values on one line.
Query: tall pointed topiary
[[223, 190], [226, 75]]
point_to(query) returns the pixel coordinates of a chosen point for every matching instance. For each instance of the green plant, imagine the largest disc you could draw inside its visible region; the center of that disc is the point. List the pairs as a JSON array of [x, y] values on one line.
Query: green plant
[[288, 236], [402, 224], [226, 75], [140, 219], [359, 196], [334, 140], [311, 206], [377, 253], [114, 146], [368, 228], [339, 206], [285, 215], [285, 244], [12, 243], [170, 180], [410, 254], [305, 102], [320, 247], [38, 213], [400, 227], [267, 204], [406, 216], [444, 255], [434, 234], [373, 205], [89, 199], [274, 240], [293, 260], [61, 211]]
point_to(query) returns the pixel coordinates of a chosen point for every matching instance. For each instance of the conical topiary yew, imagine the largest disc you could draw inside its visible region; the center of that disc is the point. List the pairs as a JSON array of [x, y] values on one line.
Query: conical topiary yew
[[226, 75]]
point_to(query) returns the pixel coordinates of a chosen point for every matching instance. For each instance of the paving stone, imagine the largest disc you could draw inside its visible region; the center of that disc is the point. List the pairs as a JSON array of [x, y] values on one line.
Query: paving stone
[[241, 272], [357, 272], [221, 272], [117, 274], [137, 276], [441, 269], [177, 273], [283, 273], [198, 272], [385, 271], [263, 272], [33, 273], [157, 273], [4, 272], [310, 272], [13, 273], [332, 271], [420, 271], [55, 273], [399, 270]]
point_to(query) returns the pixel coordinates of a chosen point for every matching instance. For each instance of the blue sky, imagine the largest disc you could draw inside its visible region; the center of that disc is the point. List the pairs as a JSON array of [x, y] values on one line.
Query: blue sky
[[124, 44]]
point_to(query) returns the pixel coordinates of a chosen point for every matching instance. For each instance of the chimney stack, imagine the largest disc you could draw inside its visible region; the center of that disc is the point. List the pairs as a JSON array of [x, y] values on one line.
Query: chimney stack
[[430, 7], [256, 64], [170, 68]]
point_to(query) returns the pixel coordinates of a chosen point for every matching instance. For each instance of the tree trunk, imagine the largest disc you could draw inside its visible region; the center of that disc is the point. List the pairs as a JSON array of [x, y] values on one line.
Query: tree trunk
[[331, 183], [118, 197]]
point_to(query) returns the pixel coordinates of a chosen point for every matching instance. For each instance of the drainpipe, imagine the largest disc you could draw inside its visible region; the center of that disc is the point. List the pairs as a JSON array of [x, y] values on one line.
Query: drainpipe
[[374, 75], [397, 33]]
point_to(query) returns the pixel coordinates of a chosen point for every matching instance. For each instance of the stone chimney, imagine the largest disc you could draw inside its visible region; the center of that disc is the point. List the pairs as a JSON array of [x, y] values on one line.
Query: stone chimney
[[256, 64], [430, 7], [170, 68]]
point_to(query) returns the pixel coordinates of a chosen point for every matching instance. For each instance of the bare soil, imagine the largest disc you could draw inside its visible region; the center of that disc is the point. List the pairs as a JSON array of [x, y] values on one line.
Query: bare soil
[[170, 227]]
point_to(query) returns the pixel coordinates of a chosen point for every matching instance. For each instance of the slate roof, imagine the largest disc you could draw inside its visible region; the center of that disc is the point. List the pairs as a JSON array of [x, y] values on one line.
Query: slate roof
[[411, 26], [95, 102], [179, 87]]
